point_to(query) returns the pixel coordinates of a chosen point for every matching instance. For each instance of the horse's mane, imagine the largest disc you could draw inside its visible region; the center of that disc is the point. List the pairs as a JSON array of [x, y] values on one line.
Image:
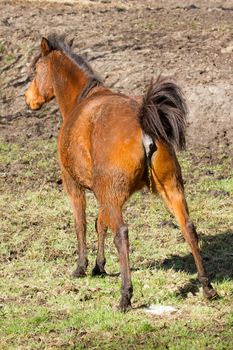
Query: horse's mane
[[57, 42]]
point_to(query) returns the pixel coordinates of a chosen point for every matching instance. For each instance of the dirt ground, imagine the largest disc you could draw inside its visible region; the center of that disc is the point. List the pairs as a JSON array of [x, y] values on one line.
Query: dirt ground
[[126, 42]]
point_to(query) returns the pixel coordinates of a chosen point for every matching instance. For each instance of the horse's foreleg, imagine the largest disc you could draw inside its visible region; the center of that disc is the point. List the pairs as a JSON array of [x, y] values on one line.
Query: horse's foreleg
[[172, 192], [101, 229], [78, 202]]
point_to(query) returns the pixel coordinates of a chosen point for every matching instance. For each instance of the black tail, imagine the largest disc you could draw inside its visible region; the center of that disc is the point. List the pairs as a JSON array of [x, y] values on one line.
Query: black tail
[[163, 113]]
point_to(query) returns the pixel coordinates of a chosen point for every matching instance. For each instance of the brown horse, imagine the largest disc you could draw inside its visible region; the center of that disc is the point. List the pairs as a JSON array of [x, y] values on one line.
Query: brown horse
[[106, 142]]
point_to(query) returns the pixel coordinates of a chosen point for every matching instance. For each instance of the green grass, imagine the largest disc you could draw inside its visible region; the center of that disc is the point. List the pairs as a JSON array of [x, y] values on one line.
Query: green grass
[[9, 58], [2, 47], [43, 307], [8, 152]]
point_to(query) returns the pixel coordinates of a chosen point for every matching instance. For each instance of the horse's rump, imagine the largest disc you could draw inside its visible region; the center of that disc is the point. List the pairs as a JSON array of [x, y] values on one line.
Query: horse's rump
[[117, 139]]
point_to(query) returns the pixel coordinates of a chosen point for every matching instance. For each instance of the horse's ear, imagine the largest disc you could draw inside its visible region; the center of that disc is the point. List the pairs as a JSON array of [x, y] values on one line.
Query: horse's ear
[[44, 47], [70, 43]]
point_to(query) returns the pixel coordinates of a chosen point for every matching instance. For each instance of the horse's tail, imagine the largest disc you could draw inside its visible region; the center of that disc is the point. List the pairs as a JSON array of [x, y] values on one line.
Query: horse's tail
[[163, 113]]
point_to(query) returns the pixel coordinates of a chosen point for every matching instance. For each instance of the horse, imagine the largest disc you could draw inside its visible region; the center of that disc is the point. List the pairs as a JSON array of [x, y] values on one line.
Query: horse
[[113, 145]]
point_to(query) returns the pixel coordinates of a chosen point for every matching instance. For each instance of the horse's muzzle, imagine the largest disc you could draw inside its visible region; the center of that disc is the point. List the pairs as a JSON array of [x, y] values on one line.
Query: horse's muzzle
[[32, 103]]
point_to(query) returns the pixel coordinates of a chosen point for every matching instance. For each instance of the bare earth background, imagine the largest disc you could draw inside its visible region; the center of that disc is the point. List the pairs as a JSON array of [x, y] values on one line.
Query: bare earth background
[[127, 43]]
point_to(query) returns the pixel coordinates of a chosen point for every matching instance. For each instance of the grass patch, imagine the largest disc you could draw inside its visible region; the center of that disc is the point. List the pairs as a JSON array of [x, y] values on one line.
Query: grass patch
[[9, 58], [8, 152], [2, 47], [43, 307]]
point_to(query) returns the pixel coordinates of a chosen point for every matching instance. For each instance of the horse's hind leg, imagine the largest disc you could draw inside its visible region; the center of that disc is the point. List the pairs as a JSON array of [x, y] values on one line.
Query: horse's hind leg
[[101, 229], [173, 196], [78, 202], [121, 241], [112, 217], [168, 182]]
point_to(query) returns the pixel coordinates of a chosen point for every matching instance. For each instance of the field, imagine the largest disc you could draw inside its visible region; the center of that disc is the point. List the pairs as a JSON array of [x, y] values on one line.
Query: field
[[127, 42]]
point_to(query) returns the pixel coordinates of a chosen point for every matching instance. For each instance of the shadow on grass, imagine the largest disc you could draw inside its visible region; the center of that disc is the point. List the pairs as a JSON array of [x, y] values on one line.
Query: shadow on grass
[[217, 253]]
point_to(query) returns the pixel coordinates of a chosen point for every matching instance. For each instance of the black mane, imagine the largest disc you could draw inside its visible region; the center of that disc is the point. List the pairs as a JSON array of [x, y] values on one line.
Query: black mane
[[57, 42]]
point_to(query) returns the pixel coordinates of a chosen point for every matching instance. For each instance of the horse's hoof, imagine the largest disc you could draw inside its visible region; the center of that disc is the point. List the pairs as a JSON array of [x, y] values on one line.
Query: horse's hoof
[[210, 293], [79, 272], [98, 272], [125, 306]]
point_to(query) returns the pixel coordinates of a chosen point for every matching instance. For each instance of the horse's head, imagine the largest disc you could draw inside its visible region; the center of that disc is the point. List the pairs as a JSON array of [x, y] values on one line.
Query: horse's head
[[41, 89]]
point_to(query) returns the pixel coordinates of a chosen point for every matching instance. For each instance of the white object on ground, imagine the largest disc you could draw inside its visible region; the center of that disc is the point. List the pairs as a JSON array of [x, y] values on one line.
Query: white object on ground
[[160, 309]]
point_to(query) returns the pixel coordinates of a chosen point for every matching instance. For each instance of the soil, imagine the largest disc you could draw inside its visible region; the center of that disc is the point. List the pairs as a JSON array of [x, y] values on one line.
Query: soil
[[127, 43]]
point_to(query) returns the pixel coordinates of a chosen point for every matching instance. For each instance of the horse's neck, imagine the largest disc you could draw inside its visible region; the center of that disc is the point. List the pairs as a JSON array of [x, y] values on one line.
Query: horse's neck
[[69, 81]]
